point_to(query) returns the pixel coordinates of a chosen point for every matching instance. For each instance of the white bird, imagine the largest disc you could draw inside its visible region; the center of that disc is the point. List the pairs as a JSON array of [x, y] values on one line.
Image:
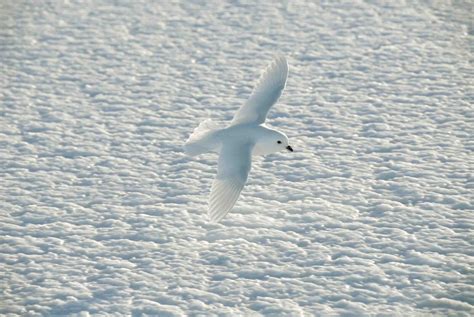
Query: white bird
[[245, 136]]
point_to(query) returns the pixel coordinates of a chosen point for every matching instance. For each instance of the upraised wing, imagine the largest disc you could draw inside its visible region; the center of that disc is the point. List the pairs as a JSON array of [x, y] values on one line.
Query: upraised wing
[[266, 93], [233, 170]]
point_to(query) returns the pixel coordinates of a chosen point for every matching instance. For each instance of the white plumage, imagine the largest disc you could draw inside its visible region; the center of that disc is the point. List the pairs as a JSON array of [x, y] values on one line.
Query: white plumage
[[265, 94], [244, 137]]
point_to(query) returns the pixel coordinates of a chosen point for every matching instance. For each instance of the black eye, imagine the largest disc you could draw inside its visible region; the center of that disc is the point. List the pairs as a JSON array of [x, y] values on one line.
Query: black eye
[[279, 142]]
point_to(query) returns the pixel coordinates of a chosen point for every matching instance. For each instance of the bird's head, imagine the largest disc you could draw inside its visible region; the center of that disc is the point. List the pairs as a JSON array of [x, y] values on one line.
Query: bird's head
[[273, 142]]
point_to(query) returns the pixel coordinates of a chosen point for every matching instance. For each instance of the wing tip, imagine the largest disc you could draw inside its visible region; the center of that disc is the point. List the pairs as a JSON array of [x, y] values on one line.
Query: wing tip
[[219, 207], [280, 58], [214, 219], [216, 215], [280, 64], [281, 61]]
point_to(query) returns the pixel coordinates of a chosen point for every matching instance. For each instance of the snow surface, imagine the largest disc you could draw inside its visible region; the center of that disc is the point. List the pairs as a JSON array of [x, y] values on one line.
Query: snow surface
[[101, 211]]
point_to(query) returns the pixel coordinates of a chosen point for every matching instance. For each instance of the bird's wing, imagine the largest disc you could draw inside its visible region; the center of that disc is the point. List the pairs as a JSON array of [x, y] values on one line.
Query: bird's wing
[[265, 94], [233, 170]]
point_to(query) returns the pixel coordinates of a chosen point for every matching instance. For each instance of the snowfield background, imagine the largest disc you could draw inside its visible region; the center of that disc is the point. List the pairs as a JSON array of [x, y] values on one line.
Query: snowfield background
[[102, 213]]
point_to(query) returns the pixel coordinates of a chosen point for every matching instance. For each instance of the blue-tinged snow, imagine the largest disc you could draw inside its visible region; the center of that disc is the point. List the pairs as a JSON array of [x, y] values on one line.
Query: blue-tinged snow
[[101, 212]]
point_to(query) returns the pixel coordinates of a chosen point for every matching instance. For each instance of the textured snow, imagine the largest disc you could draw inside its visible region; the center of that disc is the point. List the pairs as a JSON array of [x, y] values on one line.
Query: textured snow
[[102, 212]]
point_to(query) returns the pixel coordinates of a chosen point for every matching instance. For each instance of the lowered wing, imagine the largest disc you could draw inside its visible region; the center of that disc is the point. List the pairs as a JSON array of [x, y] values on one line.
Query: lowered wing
[[233, 170]]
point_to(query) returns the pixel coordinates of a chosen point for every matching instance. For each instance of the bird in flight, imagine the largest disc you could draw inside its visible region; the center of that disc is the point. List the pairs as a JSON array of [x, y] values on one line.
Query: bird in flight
[[244, 137]]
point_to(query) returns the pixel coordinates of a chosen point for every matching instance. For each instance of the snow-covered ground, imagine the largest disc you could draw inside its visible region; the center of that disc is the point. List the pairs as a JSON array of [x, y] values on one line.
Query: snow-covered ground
[[101, 211]]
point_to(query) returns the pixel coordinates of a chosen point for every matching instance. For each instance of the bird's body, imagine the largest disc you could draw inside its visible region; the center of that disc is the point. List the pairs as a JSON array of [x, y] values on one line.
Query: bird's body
[[244, 137], [257, 135]]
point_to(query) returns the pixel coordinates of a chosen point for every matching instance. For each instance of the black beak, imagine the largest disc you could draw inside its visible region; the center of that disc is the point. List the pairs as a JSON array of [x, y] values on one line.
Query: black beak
[[289, 148]]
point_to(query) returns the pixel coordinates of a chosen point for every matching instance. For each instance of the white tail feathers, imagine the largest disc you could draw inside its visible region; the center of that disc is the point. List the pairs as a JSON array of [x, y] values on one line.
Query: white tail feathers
[[203, 139]]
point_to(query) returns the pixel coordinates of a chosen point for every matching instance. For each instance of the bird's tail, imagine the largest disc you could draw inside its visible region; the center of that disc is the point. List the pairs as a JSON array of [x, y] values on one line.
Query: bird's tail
[[203, 139]]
